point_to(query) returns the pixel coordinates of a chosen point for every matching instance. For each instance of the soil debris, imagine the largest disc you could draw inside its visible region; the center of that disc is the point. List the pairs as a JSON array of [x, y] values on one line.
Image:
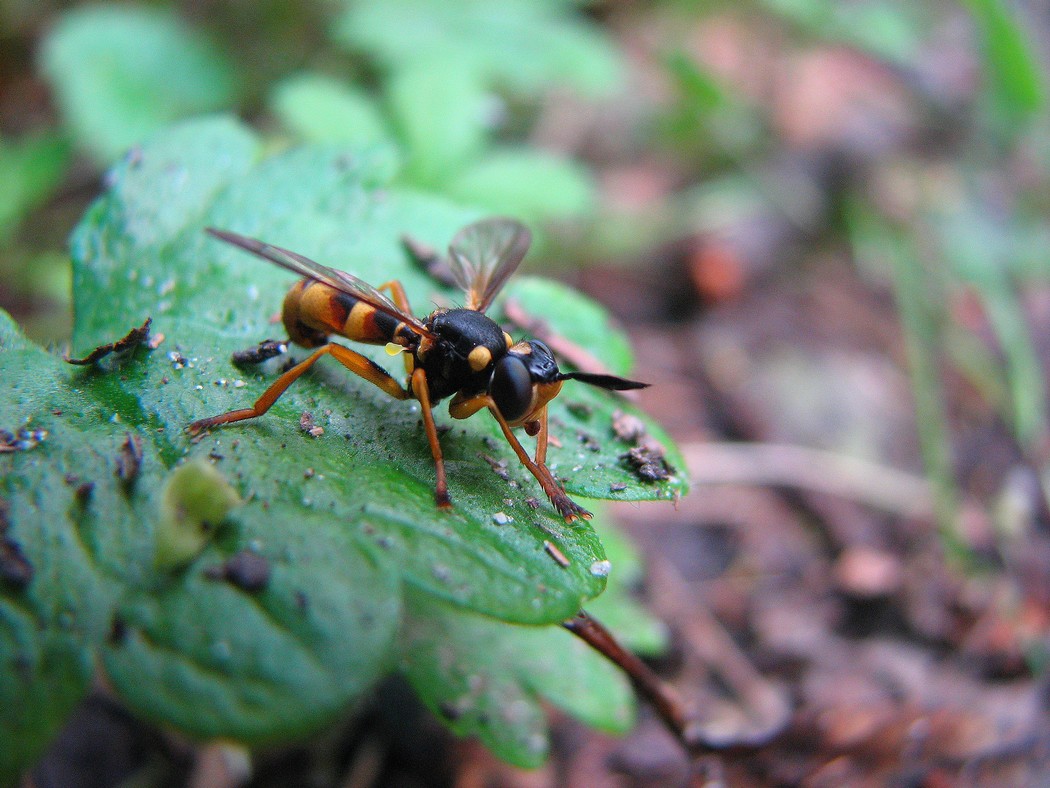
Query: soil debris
[[129, 459], [178, 361], [588, 441], [648, 463], [246, 569], [499, 466], [264, 351], [559, 557], [628, 427], [16, 571], [134, 338], [307, 425], [24, 440]]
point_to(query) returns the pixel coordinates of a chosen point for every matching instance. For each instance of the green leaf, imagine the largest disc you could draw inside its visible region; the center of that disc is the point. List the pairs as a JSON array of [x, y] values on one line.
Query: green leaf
[[438, 109], [62, 541], [488, 679], [918, 301], [319, 108], [527, 183], [524, 45], [981, 253], [30, 170], [121, 73], [217, 660], [287, 612], [1016, 83]]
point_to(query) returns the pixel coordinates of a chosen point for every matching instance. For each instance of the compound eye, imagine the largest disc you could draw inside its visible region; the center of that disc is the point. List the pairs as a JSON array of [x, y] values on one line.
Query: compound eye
[[511, 387]]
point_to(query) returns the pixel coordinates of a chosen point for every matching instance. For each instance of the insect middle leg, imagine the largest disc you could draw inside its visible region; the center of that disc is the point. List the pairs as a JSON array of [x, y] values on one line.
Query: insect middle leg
[[350, 359]]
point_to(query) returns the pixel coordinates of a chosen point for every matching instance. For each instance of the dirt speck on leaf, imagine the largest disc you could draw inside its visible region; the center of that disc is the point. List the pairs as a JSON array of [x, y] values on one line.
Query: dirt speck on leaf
[[129, 460], [559, 557], [265, 350], [134, 338], [15, 569], [628, 427], [24, 440], [307, 425], [246, 569], [648, 463]]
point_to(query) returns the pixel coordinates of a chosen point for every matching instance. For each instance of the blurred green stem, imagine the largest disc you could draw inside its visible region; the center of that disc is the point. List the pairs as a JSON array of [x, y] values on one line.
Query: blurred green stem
[[920, 330]]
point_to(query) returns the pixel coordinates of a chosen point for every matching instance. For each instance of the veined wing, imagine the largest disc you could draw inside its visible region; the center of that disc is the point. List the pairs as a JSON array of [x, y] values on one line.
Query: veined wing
[[305, 267], [484, 254]]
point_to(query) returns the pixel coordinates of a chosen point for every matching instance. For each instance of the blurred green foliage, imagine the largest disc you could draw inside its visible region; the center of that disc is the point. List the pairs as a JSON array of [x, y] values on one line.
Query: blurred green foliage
[[122, 73]]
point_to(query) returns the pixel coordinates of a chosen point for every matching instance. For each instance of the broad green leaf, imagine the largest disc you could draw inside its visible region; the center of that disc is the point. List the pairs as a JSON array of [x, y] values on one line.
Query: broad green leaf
[[210, 299], [219, 661], [336, 524], [319, 108], [488, 679], [120, 73], [439, 113], [524, 45], [30, 169], [67, 526], [525, 182]]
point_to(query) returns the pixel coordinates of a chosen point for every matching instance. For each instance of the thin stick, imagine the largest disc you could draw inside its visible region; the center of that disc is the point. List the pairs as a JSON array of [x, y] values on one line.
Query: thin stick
[[660, 695], [880, 486]]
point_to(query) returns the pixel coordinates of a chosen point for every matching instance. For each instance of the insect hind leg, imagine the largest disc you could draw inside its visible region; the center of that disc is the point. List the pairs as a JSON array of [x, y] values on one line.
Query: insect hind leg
[[353, 361]]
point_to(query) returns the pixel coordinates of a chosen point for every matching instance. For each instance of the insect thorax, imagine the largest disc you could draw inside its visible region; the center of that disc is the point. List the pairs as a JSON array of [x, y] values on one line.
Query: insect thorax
[[467, 344]]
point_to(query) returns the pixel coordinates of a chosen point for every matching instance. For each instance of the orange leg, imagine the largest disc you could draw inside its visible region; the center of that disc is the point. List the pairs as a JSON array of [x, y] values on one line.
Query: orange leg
[[421, 391], [397, 293], [565, 505], [353, 361], [400, 299], [462, 408], [541, 439]]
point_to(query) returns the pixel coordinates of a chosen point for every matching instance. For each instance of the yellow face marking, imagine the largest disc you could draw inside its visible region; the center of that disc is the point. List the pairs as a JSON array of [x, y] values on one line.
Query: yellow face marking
[[479, 358], [357, 322], [393, 350], [507, 338]]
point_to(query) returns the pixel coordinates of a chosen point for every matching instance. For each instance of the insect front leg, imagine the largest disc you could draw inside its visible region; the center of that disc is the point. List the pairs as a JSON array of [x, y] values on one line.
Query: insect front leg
[[462, 408], [561, 501], [350, 359], [421, 391]]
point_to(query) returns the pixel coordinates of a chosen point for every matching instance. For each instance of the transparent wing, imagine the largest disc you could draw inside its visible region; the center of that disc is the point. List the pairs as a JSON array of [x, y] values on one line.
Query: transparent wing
[[304, 266], [484, 254]]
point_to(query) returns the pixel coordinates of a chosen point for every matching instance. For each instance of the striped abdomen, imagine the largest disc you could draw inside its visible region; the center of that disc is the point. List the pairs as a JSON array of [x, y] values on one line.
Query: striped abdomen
[[312, 311]]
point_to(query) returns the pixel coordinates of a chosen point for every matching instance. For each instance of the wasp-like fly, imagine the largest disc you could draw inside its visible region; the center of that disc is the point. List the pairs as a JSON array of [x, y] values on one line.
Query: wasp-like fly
[[458, 353]]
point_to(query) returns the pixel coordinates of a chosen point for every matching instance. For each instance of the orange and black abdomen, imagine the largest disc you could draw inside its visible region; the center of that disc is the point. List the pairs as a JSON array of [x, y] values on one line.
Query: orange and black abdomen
[[312, 311]]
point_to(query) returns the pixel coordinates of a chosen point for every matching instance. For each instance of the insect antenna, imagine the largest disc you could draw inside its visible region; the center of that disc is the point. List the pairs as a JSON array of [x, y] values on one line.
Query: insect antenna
[[609, 382]]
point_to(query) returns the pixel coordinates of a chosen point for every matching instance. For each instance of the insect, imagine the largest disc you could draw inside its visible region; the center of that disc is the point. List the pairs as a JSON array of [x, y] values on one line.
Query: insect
[[459, 353]]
